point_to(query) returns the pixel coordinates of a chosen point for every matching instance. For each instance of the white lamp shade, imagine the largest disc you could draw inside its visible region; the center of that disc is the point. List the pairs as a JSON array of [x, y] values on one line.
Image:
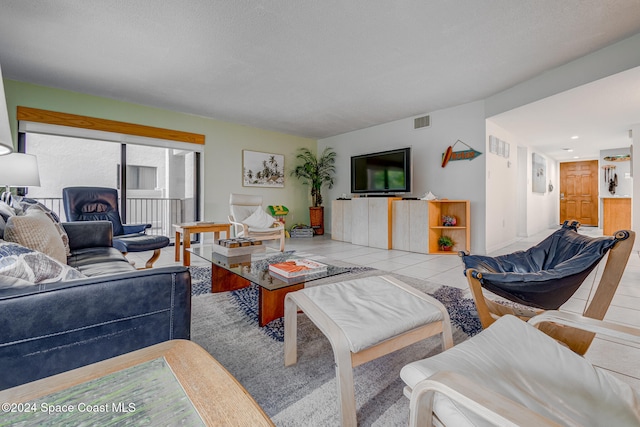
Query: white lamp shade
[[19, 170], [6, 141]]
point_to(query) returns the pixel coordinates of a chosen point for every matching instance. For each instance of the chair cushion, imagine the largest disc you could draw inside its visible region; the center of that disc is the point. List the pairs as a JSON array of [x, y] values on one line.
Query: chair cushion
[[518, 361], [371, 310], [139, 242], [259, 219]]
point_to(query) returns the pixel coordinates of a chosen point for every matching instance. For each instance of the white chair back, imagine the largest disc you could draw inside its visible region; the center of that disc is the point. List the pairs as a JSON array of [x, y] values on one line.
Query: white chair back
[[242, 206]]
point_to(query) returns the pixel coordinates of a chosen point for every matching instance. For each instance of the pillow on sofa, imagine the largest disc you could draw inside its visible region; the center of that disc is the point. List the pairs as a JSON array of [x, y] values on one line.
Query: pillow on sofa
[[259, 219], [56, 222], [27, 203], [6, 212], [36, 231], [28, 267]]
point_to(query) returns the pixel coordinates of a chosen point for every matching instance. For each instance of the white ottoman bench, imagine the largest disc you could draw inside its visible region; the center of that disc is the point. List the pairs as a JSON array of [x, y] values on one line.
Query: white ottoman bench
[[364, 319]]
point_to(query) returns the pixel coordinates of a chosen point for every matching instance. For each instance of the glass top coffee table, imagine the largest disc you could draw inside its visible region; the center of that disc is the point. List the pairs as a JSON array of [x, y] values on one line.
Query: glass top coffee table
[[236, 272]]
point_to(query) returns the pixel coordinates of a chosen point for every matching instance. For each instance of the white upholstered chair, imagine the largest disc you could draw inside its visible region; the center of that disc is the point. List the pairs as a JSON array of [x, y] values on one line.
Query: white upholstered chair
[[514, 374], [250, 220]]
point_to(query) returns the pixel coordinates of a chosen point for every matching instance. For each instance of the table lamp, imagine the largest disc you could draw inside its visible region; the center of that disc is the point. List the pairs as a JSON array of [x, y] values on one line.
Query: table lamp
[[6, 142], [18, 170]]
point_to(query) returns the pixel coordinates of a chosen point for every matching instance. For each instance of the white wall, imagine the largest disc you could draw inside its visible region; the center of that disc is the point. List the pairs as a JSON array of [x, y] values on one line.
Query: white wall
[[462, 179], [513, 209], [543, 209], [635, 171], [622, 169], [502, 190]]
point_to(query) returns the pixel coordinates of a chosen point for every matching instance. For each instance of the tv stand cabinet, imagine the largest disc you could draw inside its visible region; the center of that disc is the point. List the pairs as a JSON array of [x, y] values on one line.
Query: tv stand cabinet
[[393, 223], [364, 221]]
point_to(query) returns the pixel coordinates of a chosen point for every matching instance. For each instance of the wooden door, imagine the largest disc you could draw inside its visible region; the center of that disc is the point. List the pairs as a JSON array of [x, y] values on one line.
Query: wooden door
[[579, 192]]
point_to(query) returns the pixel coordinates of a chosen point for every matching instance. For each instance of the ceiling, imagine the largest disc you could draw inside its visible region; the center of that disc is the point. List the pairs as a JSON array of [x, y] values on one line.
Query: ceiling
[[311, 68], [599, 114]]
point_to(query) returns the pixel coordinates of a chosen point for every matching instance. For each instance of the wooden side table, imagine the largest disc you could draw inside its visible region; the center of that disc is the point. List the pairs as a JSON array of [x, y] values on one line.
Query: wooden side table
[[172, 383], [188, 228]]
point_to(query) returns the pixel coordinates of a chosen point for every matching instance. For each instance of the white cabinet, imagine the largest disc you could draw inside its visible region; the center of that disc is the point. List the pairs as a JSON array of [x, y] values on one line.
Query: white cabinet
[[380, 230], [410, 225], [360, 221], [364, 221], [341, 220]]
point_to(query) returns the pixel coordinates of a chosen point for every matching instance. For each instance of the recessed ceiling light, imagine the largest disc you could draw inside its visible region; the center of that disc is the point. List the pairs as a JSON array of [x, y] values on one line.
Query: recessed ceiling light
[[569, 150], [575, 137], [576, 157]]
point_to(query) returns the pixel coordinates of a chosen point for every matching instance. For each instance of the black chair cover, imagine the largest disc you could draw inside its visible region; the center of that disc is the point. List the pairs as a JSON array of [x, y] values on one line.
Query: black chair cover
[[546, 275]]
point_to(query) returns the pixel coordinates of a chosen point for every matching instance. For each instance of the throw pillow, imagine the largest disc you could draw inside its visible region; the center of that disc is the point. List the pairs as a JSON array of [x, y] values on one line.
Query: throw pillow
[[259, 219], [26, 203], [36, 231], [6, 212], [56, 222], [27, 267]]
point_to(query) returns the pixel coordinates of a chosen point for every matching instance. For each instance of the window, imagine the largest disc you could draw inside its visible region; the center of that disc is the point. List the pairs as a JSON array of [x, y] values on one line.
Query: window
[[140, 177], [162, 165]]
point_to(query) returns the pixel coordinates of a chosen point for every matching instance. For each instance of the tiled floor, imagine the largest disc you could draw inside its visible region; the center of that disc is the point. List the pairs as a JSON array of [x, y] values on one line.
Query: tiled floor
[[620, 359]]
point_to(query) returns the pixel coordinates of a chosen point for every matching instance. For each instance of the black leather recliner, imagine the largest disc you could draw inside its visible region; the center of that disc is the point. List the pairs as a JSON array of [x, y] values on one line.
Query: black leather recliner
[[100, 203]]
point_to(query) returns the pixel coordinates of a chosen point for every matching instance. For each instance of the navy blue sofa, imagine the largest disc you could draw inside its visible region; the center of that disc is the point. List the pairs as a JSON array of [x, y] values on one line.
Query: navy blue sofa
[[53, 328]]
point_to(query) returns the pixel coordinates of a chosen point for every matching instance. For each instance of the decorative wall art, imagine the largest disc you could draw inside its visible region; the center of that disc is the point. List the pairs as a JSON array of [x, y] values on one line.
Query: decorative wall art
[[262, 169], [451, 155], [538, 173], [499, 147]]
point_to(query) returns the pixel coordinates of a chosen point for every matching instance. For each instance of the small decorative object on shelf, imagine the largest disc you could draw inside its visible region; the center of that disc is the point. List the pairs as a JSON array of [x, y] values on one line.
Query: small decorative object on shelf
[[449, 221], [445, 243], [296, 267]]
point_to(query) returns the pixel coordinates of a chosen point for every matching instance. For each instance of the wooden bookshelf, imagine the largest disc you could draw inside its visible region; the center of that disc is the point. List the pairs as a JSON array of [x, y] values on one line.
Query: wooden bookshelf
[[460, 233]]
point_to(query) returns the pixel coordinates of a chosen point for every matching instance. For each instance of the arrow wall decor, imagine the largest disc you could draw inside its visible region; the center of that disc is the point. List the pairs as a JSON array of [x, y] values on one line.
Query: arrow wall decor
[[451, 155]]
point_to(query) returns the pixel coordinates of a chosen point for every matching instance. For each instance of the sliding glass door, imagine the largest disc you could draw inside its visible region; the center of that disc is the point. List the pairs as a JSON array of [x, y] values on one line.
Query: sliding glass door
[[157, 185]]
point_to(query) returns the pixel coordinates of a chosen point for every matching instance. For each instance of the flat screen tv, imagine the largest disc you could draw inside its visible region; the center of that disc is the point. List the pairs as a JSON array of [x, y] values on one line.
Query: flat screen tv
[[386, 172]]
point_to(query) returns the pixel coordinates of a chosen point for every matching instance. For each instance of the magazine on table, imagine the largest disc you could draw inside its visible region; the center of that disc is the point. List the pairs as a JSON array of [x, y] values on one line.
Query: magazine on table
[[297, 267]]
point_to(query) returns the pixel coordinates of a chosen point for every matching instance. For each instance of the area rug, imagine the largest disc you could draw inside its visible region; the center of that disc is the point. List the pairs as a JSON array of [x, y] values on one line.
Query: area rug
[[305, 394], [461, 309]]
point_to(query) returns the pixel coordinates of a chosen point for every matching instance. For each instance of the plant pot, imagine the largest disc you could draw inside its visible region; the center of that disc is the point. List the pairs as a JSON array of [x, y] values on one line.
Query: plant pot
[[446, 248], [316, 217]]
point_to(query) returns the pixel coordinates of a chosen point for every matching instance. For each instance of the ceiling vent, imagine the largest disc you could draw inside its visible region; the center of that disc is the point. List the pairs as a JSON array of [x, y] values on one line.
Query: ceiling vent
[[422, 122]]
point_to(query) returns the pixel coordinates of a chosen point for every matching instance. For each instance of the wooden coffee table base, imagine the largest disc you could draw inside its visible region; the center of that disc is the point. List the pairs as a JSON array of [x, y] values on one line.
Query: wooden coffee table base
[[270, 303]]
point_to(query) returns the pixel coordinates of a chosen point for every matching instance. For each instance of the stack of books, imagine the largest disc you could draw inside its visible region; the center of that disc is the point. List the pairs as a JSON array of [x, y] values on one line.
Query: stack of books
[[237, 246], [296, 268], [238, 242]]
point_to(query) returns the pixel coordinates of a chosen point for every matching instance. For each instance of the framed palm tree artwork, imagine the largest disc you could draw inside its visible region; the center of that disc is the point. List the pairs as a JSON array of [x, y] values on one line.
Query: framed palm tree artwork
[[262, 169]]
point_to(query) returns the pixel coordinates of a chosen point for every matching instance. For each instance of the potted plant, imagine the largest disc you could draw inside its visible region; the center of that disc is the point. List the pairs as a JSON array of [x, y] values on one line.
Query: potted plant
[[445, 243], [316, 171]]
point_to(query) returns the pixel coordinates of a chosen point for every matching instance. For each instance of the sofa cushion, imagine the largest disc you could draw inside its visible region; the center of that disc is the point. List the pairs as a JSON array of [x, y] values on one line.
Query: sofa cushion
[[29, 267], [99, 261], [36, 231]]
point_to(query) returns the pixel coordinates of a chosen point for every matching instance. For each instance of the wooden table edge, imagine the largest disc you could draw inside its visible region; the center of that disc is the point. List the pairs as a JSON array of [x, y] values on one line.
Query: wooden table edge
[[217, 396]]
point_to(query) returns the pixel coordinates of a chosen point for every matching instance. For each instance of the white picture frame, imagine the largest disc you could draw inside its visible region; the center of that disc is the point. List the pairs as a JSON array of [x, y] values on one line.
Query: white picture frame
[[262, 169], [538, 173]]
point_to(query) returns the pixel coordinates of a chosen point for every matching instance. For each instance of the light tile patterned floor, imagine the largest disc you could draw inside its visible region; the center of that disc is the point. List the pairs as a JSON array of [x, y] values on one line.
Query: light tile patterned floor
[[621, 359]]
